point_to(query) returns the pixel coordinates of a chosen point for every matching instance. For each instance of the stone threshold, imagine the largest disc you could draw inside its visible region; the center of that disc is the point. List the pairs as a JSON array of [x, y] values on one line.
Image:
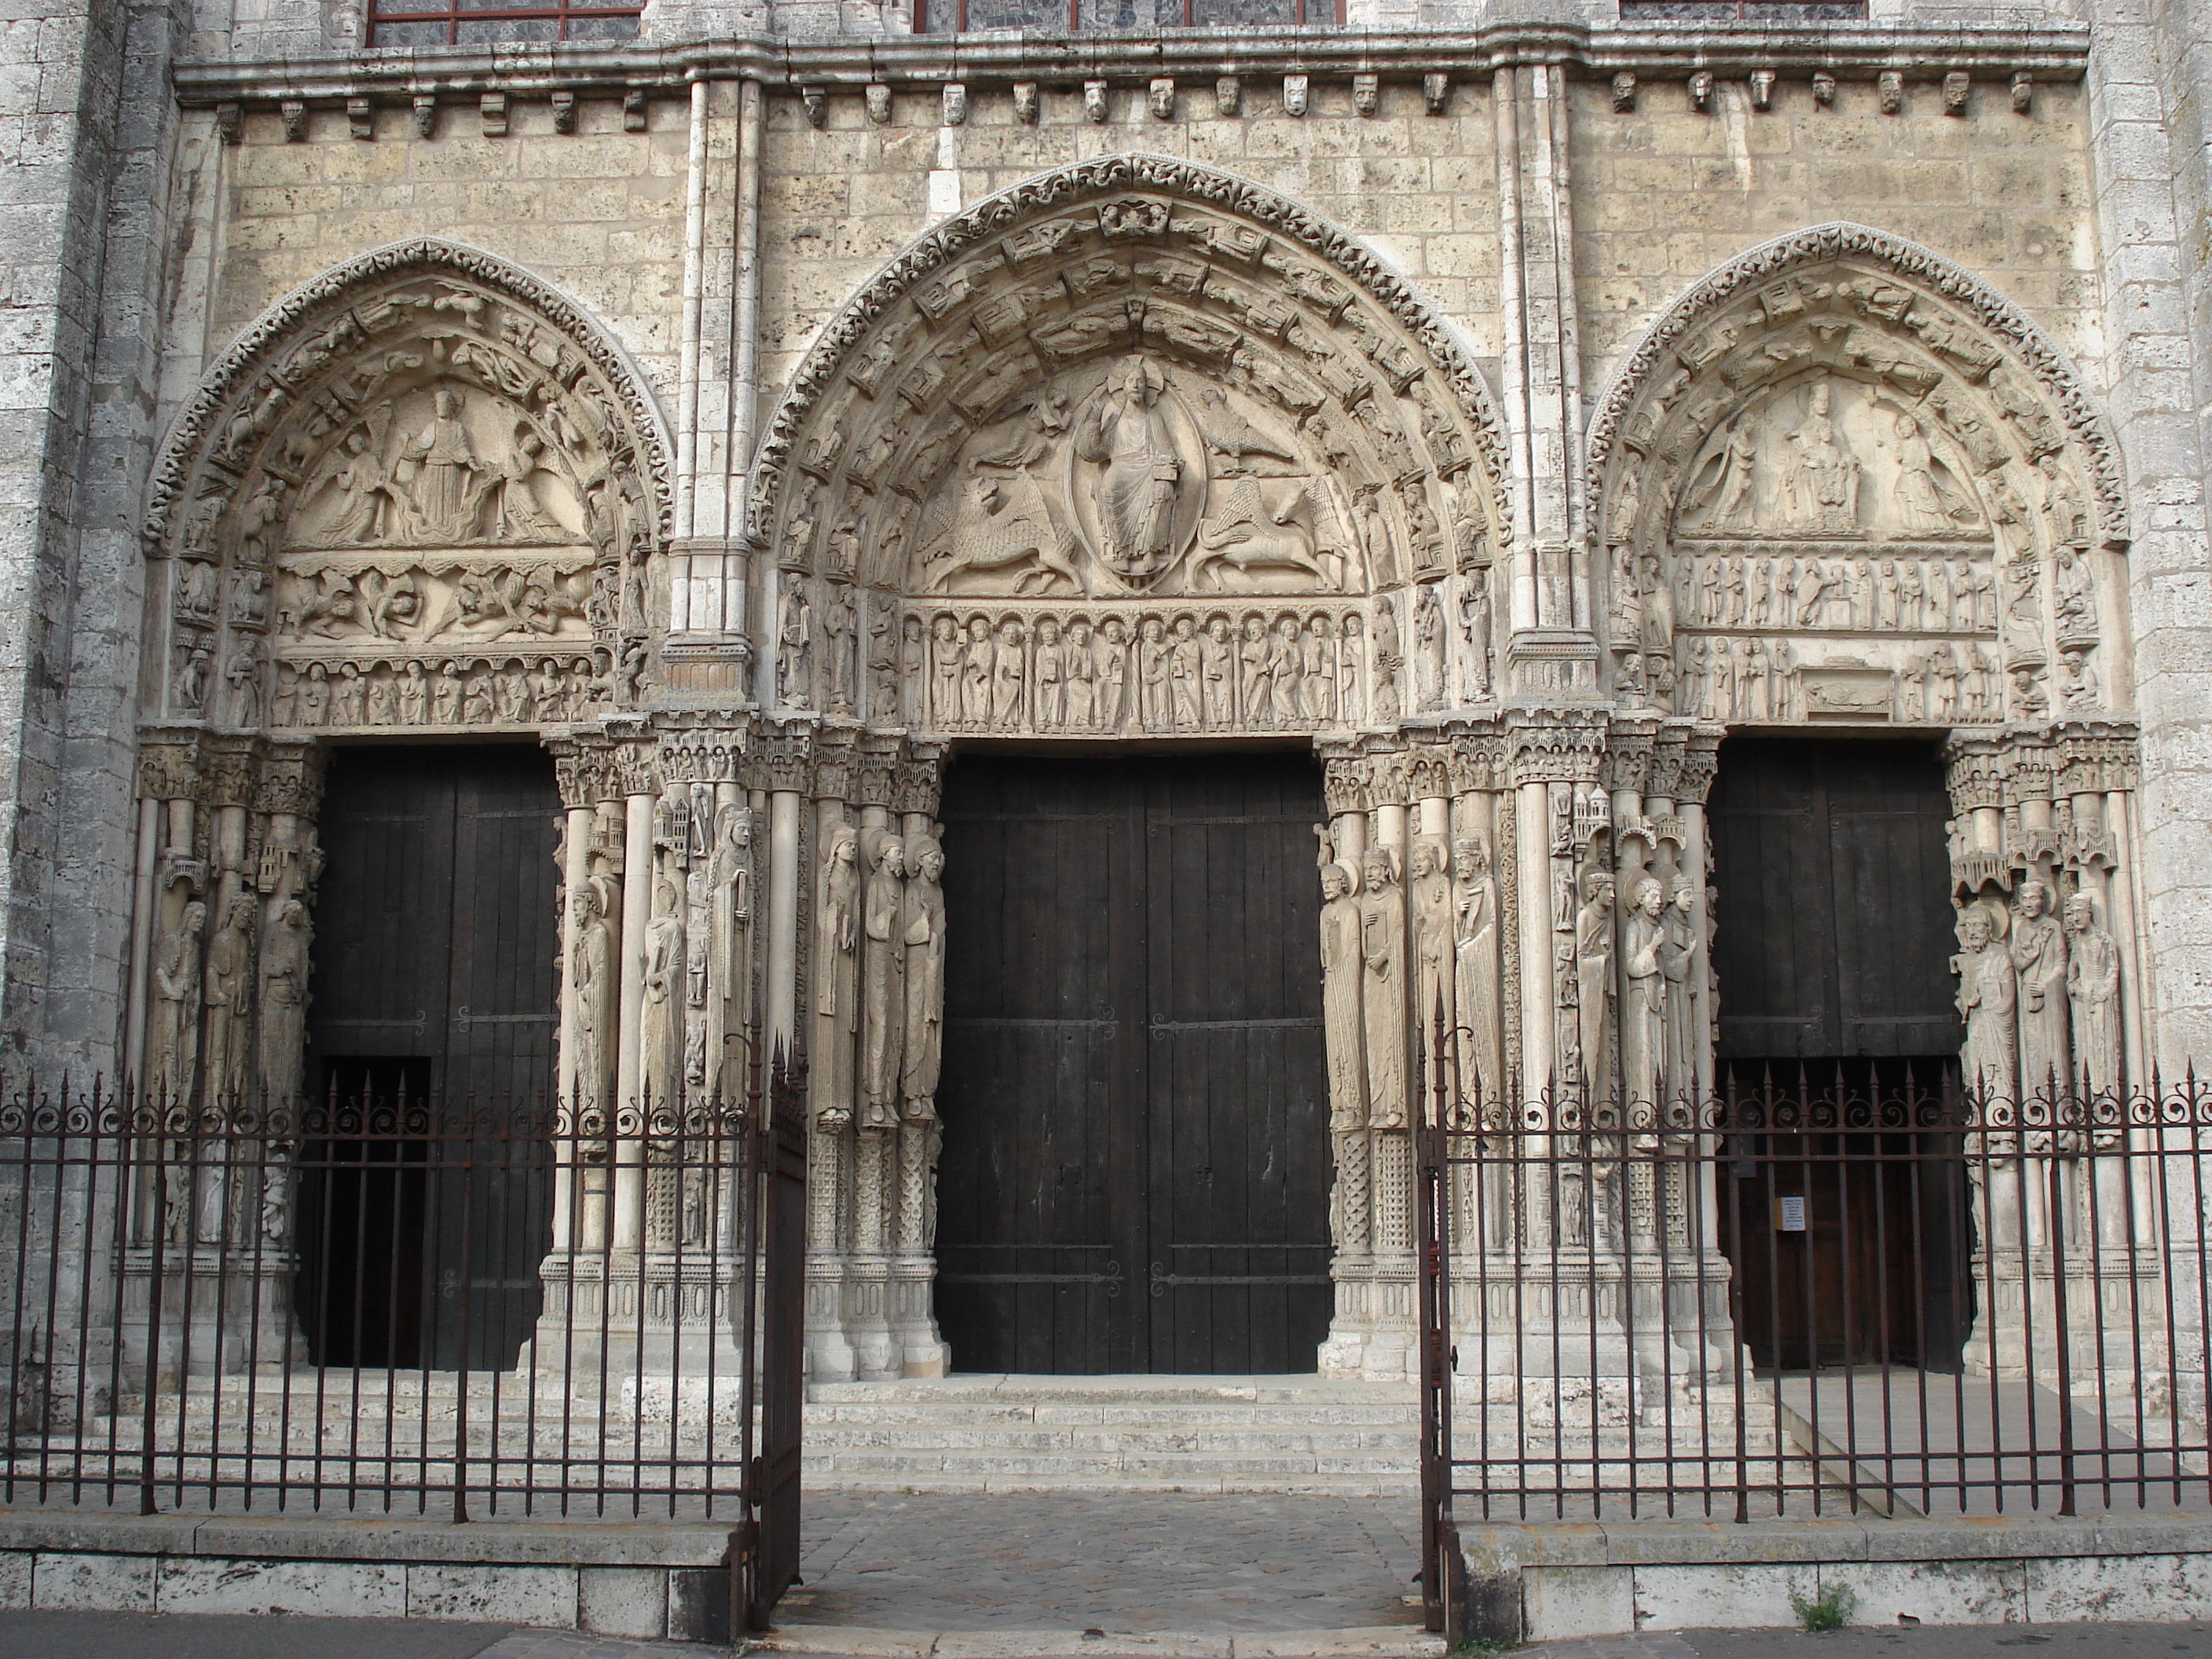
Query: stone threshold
[[654, 1580], [861, 1641], [1555, 1581]]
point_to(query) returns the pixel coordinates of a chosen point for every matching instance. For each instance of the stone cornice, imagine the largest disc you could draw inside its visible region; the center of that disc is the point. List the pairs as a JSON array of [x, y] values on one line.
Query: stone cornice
[[2055, 52]]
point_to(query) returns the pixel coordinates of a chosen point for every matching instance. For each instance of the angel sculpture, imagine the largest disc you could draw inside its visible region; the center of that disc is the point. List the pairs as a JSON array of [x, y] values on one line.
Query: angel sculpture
[[393, 604]]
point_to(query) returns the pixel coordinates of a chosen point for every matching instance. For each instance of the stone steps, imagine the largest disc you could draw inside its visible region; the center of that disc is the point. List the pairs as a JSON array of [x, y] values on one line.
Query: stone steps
[[1121, 1433]]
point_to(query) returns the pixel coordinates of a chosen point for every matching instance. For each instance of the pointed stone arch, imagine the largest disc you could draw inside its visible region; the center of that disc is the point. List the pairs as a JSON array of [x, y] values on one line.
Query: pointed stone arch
[[1847, 416], [422, 489], [1142, 396]]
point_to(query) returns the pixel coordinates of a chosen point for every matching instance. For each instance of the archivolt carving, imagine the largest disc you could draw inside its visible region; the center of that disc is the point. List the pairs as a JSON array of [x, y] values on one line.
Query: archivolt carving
[[1841, 479], [429, 489]]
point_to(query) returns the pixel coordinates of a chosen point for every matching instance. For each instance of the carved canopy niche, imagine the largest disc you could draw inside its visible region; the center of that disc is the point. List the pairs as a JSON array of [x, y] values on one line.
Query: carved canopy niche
[[1843, 480], [1124, 417], [421, 493]]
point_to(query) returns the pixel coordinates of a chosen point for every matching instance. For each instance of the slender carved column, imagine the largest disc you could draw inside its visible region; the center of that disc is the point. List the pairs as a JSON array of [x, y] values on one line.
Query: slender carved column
[[1342, 841], [833, 1057], [913, 1315], [639, 779]]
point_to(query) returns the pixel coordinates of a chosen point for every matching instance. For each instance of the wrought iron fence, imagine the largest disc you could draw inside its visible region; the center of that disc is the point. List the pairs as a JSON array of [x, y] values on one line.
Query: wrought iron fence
[[1862, 1291], [393, 1304]]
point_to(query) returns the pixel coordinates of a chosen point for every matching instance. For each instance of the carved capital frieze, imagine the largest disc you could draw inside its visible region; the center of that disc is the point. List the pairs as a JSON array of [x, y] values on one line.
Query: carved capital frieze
[[782, 759], [916, 781], [2095, 757], [1556, 749], [583, 771], [1974, 772], [704, 754], [1344, 784], [1478, 761], [634, 763], [168, 765], [227, 772], [290, 778]]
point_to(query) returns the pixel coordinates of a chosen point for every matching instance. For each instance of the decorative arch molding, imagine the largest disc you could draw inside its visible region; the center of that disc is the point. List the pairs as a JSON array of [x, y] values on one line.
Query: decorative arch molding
[[1842, 479], [1126, 408], [423, 490]]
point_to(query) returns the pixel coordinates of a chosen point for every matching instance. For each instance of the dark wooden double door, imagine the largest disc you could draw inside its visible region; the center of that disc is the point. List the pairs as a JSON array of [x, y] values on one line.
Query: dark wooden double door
[[435, 981], [1834, 953], [1136, 1170]]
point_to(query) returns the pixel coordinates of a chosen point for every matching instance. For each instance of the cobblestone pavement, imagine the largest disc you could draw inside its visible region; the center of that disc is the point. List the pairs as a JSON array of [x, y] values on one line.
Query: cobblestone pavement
[[1116, 1562], [1895, 1642]]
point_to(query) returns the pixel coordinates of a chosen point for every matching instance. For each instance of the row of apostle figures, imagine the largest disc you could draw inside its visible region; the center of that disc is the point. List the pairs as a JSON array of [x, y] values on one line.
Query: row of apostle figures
[[1392, 953], [880, 984], [2040, 993]]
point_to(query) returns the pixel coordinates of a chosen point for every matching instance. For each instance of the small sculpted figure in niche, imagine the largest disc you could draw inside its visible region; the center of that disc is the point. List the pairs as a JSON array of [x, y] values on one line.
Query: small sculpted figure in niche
[[1656, 604], [1939, 596], [1710, 602], [1751, 678], [883, 981], [1184, 660], [1217, 671], [230, 993], [1153, 713], [1820, 474], [314, 695], [2038, 953], [837, 1000], [1942, 684], [1124, 431], [1340, 983], [794, 657], [1722, 702], [1082, 678], [1677, 946], [477, 704], [1113, 658], [1349, 697], [922, 930], [914, 674], [1735, 609], [947, 667], [2063, 505], [1317, 672], [1284, 660], [1626, 617], [194, 674], [1009, 678], [1910, 593], [2073, 596], [1988, 1001], [1474, 628], [1474, 950], [2078, 688], [1429, 658], [1643, 1008], [1388, 653], [1050, 690], [2093, 995], [243, 678], [175, 983], [1594, 985], [841, 624], [1382, 980], [1252, 650], [414, 690], [979, 661], [1429, 897], [1812, 584]]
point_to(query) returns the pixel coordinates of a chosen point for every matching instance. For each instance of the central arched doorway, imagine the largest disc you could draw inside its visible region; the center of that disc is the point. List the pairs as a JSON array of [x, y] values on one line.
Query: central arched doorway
[[1136, 1166]]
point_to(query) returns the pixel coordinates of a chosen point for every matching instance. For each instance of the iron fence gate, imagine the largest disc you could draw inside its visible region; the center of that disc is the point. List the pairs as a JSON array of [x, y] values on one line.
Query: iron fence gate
[[1856, 1292], [390, 1304]]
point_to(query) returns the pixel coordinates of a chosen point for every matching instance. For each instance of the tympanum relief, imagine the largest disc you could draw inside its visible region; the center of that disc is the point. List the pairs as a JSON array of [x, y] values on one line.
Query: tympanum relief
[[1840, 497], [423, 494], [1029, 458]]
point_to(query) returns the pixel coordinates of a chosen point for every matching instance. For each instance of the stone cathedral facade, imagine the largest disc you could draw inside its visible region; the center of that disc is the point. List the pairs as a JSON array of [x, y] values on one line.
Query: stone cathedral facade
[[758, 410]]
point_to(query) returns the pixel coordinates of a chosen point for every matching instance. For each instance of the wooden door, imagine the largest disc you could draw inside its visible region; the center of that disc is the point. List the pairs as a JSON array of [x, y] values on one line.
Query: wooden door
[[1135, 1173], [1833, 949], [435, 954]]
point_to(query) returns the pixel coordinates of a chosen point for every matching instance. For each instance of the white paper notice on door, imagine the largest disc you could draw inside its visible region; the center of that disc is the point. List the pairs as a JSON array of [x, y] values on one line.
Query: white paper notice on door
[[1789, 1215]]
